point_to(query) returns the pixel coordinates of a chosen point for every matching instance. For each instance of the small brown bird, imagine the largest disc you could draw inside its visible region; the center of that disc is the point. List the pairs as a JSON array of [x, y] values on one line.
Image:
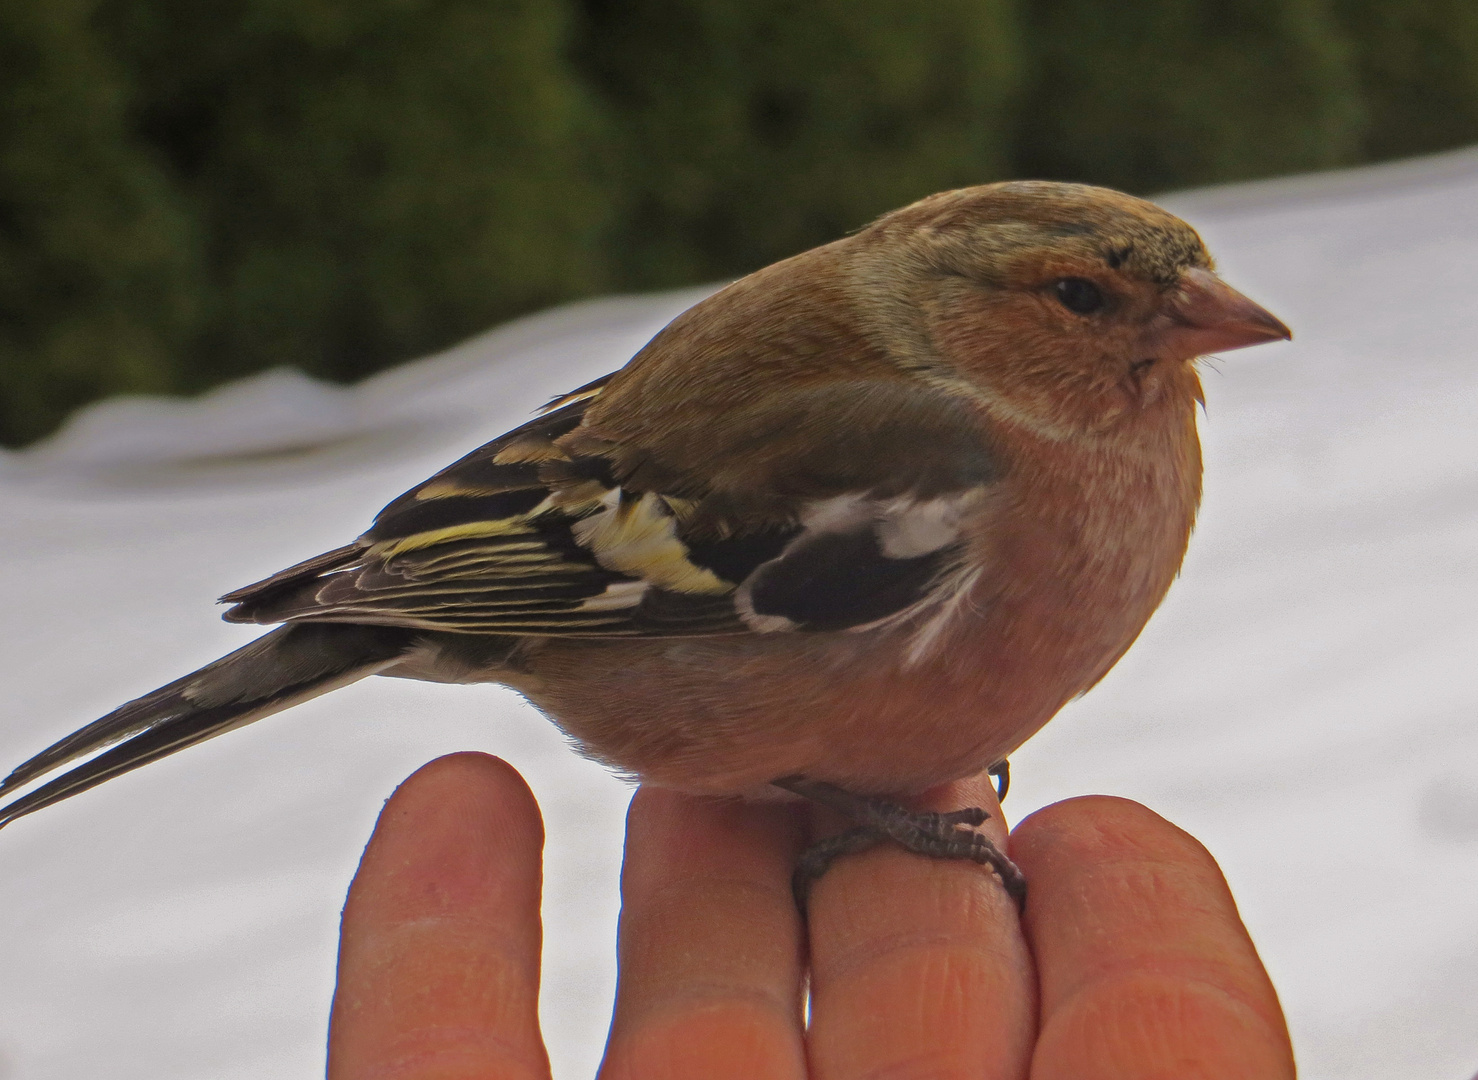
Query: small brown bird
[[856, 525]]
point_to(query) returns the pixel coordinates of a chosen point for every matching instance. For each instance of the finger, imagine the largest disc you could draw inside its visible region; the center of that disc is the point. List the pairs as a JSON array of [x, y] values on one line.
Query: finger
[[1146, 970], [710, 943], [439, 952], [918, 966]]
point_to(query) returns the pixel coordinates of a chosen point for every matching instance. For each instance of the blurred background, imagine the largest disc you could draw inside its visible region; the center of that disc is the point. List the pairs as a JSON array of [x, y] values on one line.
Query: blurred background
[[193, 190]]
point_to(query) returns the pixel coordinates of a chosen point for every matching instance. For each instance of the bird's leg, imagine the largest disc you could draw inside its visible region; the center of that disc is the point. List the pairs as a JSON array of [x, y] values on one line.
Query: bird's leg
[[1001, 770], [949, 835]]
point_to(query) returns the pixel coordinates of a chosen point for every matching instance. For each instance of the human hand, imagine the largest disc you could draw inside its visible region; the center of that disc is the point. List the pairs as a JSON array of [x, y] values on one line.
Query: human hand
[[1130, 960]]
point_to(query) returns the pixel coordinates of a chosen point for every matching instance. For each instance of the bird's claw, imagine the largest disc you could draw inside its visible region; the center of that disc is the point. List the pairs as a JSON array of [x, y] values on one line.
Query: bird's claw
[[947, 835], [1001, 771]]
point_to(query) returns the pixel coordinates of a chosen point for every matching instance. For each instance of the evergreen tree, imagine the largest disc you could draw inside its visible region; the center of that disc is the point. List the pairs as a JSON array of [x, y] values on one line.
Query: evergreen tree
[[743, 131], [191, 190], [1418, 64], [1159, 94], [97, 252], [373, 178]]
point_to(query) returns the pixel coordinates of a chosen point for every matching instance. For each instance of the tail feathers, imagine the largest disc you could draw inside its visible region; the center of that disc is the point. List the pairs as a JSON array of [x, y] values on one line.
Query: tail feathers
[[280, 669]]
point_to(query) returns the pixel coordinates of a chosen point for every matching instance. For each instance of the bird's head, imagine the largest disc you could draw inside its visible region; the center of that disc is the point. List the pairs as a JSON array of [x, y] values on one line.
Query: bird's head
[[1070, 308]]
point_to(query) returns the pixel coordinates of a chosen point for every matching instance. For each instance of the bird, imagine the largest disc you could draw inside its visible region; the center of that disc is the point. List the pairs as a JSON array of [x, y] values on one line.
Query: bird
[[852, 527]]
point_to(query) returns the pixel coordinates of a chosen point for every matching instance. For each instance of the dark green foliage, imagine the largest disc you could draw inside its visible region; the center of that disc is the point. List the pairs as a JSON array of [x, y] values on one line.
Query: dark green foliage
[[96, 249], [375, 178], [746, 130], [1419, 73], [195, 189], [1163, 93]]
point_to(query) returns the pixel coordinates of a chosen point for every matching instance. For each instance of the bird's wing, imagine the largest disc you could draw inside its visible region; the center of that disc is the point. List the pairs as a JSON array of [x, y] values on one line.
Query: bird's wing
[[839, 507]]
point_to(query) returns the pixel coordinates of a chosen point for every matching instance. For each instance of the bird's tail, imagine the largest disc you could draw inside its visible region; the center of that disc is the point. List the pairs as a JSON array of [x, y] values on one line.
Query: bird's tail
[[291, 664]]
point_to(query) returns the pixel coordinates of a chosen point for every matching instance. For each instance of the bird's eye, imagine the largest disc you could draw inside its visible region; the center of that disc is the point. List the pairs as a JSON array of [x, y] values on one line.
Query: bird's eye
[[1079, 295]]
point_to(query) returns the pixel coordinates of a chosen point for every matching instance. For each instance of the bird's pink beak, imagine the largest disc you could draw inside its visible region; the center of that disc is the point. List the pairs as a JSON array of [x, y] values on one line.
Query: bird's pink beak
[[1206, 315]]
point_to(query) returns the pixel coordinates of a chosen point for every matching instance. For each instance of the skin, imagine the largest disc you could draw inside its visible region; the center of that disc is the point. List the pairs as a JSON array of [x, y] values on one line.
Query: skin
[[1130, 961]]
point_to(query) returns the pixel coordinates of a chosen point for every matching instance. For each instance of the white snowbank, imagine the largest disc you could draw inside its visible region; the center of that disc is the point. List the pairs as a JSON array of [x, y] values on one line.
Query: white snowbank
[[1306, 703]]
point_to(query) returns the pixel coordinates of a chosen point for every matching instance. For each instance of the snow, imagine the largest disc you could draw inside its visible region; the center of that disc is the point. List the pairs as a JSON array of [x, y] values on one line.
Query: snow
[[1304, 703]]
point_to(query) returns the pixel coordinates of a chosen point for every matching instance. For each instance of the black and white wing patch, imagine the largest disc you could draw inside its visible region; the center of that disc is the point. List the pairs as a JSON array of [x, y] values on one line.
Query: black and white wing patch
[[524, 537], [859, 561]]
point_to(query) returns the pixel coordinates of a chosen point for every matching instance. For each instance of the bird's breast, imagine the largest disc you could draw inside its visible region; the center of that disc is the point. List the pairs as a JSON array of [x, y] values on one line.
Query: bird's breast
[[1090, 542]]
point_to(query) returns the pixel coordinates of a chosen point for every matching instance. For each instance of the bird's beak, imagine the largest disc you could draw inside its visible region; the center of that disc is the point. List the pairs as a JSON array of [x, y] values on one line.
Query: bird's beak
[[1203, 314]]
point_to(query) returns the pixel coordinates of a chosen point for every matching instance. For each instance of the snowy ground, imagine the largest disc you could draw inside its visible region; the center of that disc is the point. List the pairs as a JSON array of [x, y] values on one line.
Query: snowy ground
[[1306, 702]]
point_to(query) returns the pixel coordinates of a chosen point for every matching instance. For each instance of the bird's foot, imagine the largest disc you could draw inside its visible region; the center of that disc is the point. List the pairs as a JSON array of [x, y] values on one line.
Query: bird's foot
[[949, 835]]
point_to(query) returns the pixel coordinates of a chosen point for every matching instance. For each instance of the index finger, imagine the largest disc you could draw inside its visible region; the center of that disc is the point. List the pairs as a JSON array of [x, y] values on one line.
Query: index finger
[[1145, 968], [439, 954]]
